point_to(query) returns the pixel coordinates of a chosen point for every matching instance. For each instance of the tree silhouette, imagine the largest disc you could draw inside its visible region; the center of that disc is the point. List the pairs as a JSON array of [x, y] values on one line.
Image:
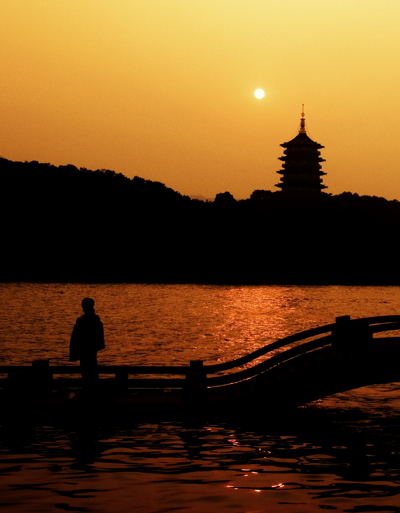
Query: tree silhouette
[[63, 223]]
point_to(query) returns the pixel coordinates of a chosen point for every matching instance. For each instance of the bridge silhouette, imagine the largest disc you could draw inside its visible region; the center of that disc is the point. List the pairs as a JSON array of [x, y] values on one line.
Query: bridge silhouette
[[291, 371]]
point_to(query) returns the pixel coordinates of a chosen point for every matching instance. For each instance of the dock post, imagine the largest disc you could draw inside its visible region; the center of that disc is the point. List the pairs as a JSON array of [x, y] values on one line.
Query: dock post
[[41, 376], [195, 385]]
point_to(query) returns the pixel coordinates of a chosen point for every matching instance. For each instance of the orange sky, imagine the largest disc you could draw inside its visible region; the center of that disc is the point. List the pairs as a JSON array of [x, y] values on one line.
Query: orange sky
[[163, 88]]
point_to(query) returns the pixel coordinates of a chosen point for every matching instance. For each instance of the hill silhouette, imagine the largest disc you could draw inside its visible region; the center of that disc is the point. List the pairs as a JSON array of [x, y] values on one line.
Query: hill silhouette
[[62, 223]]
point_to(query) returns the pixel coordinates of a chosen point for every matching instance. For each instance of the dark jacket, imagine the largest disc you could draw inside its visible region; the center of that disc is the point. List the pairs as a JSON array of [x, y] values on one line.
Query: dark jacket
[[87, 337]]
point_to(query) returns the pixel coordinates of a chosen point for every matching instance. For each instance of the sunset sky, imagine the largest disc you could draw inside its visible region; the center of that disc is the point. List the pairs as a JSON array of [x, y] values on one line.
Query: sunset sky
[[163, 89]]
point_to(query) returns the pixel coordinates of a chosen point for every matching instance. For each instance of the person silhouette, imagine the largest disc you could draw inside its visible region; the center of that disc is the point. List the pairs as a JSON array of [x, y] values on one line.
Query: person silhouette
[[87, 339]]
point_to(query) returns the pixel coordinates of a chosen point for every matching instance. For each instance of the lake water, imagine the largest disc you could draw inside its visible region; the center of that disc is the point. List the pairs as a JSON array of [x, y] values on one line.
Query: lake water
[[341, 454]]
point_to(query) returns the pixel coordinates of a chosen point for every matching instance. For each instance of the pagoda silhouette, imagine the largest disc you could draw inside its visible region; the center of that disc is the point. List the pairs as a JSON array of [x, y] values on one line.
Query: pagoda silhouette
[[301, 169]]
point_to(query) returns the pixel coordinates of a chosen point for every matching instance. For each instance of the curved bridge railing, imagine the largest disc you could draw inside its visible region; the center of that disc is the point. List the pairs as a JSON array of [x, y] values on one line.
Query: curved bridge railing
[[345, 333]]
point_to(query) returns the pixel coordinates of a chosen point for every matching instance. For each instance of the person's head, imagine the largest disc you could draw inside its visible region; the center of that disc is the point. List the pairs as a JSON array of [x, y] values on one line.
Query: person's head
[[88, 304]]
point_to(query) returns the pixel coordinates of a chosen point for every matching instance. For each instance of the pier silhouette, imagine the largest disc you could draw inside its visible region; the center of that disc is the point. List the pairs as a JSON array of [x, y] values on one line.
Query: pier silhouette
[[291, 371]]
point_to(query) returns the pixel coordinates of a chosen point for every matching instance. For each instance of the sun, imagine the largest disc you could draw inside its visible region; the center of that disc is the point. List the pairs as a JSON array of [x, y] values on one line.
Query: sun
[[259, 94]]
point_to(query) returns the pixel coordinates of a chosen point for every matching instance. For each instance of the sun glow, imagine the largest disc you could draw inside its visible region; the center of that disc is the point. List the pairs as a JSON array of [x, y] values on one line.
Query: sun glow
[[144, 71], [259, 94]]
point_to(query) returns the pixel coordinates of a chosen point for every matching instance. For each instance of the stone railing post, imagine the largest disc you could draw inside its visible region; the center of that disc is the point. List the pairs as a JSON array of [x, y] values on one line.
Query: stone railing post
[[41, 376], [350, 334], [195, 385], [121, 379]]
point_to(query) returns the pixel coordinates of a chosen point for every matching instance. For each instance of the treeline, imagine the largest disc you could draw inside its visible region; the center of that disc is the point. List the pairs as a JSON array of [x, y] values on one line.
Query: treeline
[[61, 223]]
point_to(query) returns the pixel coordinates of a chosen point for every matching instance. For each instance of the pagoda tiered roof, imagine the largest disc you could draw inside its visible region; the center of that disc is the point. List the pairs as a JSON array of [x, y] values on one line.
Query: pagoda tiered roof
[[302, 139], [301, 168]]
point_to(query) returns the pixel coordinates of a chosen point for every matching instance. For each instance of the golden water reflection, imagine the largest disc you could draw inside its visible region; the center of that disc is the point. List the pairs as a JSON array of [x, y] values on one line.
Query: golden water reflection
[[172, 324]]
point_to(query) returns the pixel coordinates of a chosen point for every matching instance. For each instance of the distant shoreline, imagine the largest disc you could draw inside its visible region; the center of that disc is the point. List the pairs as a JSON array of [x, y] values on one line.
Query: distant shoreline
[[64, 224]]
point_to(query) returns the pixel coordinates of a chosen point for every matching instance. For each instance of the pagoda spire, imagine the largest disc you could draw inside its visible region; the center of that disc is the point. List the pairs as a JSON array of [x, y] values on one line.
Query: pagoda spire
[[302, 121]]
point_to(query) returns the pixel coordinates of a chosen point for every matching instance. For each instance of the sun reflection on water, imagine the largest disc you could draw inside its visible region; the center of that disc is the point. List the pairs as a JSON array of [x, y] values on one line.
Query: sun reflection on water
[[172, 324]]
